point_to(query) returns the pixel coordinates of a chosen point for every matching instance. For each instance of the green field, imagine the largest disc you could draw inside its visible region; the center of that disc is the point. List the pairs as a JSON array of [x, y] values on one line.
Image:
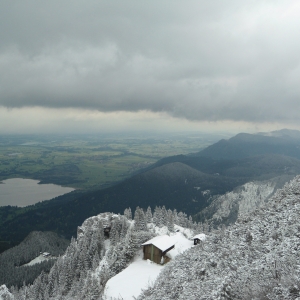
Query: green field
[[89, 162]]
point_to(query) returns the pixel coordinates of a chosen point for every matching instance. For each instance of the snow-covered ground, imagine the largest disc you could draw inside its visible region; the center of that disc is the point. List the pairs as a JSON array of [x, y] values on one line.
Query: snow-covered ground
[[141, 273], [128, 283], [38, 260]]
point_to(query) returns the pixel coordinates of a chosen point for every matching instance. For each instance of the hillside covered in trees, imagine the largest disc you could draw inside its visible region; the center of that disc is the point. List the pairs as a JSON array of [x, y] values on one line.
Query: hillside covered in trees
[[91, 259], [255, 258]]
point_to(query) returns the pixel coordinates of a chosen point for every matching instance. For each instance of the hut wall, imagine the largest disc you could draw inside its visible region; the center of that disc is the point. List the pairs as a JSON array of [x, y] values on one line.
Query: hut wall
[[157, 254]]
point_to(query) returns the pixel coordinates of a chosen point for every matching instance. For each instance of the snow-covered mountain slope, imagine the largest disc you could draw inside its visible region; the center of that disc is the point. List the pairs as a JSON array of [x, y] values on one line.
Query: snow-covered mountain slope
[[256, 258], [225, 209], [92, 260]]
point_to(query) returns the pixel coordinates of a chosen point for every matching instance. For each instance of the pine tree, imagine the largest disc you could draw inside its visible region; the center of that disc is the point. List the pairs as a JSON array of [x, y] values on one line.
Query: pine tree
[[170, 221], [137, 219], [175, 216], [157, 216], [164, 216], [143, 221], [114, 232], [128, 213], [149, 215], [124, 228], [160, 217]]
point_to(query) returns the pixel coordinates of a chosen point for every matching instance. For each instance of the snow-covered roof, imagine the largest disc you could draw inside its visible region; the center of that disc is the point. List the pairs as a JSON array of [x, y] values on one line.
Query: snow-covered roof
[[162, 242], [200, 236]]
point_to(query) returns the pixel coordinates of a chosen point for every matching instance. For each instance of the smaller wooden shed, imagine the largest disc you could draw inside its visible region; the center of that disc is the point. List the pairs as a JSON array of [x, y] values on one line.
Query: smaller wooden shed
[[199, 238], [107, 231], [156, 248]]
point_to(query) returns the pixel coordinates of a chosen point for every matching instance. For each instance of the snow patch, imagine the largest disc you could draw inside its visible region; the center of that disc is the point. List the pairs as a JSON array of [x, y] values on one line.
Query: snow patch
[[137, 276], [38, 260]]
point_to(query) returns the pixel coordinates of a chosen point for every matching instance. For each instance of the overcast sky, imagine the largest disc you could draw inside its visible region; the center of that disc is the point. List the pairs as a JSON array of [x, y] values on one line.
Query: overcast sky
[[88, 66]]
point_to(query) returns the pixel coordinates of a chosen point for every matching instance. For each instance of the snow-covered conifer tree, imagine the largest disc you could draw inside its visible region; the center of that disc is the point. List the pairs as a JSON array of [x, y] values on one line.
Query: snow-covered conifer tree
[[143, 221], [149, 215], [128, 213], [170, 221], [137, 219], [158, 217], [155, 216], [164, 216], [175, 216]]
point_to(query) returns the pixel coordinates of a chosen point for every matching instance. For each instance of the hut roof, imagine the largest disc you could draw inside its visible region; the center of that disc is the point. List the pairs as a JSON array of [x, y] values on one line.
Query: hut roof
[[162, 242], [200, 236]]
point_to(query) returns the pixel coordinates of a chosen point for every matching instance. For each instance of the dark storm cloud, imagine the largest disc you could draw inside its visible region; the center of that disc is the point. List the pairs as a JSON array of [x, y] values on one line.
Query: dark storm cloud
[[199, 60]]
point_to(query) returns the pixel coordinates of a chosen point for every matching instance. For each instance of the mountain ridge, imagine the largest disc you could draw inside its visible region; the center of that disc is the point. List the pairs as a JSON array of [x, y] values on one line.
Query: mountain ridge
[[177, 182]]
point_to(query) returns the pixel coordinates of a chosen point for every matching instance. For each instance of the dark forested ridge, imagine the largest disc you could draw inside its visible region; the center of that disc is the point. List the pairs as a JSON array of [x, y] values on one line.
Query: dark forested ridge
[[12, 271]]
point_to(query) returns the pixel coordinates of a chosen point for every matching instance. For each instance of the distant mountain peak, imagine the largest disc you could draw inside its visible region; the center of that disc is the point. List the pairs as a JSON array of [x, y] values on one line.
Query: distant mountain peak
[[283, 142], [284, 133]]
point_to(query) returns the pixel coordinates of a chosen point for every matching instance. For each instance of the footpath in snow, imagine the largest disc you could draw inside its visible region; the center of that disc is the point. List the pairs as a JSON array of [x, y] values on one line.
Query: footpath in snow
[[142, 273]]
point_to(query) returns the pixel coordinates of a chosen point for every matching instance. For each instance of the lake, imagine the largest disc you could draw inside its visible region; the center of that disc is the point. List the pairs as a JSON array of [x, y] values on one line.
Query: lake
[[22, 192]]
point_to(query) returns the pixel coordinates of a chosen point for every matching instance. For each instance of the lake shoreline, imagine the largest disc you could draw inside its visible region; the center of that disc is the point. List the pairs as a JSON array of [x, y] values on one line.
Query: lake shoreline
[[22, 192]]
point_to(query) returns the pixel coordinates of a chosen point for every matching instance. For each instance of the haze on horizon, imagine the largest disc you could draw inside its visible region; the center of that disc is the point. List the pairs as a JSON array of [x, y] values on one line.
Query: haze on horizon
[[90, 66]]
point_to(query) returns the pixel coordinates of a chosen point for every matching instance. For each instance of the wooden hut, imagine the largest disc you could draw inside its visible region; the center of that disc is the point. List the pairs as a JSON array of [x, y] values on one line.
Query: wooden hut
[[107, 231], [199, 238], [156, 248]]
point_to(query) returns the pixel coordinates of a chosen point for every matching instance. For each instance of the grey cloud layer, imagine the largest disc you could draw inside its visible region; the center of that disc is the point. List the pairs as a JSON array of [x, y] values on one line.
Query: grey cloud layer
[[200, 60]]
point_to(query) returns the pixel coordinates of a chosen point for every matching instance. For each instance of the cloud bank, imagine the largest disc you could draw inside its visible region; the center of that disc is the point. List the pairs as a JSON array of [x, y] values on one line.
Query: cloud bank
[[195, 60]]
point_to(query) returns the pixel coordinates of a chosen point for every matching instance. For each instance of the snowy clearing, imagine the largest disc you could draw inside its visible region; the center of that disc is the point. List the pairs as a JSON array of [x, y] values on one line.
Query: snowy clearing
[[141, 273], [38, 260], [129, 283]]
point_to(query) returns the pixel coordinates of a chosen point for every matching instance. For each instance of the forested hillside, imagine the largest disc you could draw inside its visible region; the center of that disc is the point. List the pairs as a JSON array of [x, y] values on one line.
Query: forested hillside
[[256, 258], [13, 268], [91, 259], [225, 209]]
